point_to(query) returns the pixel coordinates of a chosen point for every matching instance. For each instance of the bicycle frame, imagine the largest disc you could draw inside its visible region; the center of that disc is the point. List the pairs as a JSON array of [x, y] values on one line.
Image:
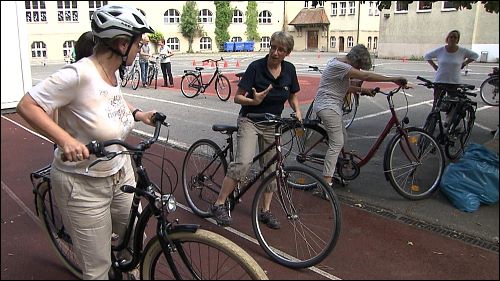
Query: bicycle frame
[[216, 73]]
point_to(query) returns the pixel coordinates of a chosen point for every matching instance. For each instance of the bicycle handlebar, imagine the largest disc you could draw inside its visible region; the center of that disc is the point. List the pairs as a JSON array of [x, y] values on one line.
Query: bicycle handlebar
[[216, 61], [390, 93], [271, 118], [462, 88]]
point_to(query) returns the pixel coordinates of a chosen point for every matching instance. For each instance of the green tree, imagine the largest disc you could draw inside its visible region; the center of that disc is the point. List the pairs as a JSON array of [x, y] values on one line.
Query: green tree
[[251, 22], [223, 16], [155, 38], [190, 28]]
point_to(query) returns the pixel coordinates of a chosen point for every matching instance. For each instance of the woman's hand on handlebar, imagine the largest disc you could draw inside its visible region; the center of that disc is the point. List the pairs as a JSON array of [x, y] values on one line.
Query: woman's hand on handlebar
[[146, 117], [74, 151]]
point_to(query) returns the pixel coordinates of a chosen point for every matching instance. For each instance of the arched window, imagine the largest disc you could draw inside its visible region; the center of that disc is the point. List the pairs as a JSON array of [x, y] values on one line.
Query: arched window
[[265, 17], [173, 43], [237, 16], [171, 16], [350, 42], [205, 43], [67, 48], [38, 49], [205, 16]]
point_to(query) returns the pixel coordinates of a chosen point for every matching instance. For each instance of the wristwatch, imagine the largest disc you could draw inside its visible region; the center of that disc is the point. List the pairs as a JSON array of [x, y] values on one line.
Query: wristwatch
[[134, 112]]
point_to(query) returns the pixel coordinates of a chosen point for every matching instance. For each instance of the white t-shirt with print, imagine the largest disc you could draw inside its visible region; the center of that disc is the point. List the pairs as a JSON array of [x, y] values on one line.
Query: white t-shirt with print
[[89, 109], [165, 51]]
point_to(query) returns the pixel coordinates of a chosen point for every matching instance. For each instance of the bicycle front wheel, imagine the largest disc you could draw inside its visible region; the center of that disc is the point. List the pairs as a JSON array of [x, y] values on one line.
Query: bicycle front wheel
[[349, 108], [190, 85], [203, 171], [223, 87], [135, 79], [489, 91], [459, 132], [414, 164], [309, 220], [202, 255], [52, 224], [125, 78]]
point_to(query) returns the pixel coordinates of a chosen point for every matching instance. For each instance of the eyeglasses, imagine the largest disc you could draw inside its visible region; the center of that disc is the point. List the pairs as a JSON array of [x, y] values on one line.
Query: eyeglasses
[[279, 49]]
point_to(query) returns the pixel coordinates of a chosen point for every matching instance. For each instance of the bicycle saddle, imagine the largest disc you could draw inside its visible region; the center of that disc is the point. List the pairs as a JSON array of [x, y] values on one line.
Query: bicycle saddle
[[225, 129]]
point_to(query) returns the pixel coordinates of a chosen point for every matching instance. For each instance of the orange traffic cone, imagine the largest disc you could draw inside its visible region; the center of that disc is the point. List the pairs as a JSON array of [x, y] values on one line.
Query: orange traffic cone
[[194, 62], [225, 64], [237, 63]]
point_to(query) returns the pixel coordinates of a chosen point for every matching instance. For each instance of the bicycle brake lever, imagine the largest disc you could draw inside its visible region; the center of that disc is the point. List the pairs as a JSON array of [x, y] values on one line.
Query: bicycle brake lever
[[108, 157]]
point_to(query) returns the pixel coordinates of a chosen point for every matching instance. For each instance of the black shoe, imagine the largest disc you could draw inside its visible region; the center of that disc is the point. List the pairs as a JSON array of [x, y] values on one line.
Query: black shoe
[[221, 215], [269, 219]]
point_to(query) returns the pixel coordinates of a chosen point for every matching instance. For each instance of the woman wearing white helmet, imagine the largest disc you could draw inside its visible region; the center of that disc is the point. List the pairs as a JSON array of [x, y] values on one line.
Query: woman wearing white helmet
[[90, 107]]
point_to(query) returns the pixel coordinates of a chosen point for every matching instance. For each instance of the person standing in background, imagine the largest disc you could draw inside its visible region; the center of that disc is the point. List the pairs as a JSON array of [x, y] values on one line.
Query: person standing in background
[[144, 55], [166, 67]]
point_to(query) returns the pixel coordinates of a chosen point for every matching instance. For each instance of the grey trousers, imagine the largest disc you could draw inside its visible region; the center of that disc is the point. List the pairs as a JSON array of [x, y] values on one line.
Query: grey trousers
[[336, 135]]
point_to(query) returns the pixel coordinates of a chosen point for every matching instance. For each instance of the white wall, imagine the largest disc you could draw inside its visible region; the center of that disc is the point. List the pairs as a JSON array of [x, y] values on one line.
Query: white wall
[[492, 50], [16, 71]]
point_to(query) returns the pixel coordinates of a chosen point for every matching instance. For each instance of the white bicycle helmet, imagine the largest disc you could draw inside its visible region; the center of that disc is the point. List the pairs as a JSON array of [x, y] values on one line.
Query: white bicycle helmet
[[112, 20]]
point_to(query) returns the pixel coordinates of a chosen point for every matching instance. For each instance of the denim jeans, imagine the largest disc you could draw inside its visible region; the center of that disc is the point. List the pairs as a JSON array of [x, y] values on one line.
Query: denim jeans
[[144, 71]]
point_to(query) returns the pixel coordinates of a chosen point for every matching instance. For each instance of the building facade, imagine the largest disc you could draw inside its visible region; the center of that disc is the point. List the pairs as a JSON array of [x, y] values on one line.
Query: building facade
[[411, 30], [54, 26]]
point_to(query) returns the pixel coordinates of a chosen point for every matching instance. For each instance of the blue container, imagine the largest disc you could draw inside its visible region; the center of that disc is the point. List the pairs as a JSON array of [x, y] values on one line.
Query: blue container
[[248, 46], [239, 46], [229, 47]]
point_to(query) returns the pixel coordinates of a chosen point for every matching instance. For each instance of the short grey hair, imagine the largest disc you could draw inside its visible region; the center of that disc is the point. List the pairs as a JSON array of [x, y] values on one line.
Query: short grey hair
[[359, 56], [284, 38]]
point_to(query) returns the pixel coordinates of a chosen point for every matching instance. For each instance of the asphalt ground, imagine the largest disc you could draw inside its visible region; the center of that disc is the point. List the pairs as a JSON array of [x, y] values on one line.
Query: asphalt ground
[[369, 194]]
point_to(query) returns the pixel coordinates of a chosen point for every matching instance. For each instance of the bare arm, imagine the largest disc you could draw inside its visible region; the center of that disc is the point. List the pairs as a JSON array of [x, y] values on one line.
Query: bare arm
[[370, 76], [294, 103], [433, 64], [466, 62], [145, 117]]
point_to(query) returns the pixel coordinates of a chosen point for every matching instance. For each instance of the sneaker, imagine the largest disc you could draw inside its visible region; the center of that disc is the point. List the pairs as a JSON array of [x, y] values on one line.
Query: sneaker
[[221, 215], [171, 85], [269, 219], [321, 193]]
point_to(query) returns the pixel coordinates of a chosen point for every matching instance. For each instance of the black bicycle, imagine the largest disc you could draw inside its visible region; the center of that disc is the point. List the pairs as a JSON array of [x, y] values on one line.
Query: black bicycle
[[133, 74], [461, 113], [153, 68], [489, 88], [192, 82], [349, 107], [310, 226], [175, 251]]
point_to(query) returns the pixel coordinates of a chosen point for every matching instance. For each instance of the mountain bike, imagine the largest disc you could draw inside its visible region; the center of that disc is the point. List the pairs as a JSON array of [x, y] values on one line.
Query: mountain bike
[[489, 88], [175, 251], [461, 114], [192, 82], [153, 68], [310, 226], [413, 160], [133, 74], [349, 107]]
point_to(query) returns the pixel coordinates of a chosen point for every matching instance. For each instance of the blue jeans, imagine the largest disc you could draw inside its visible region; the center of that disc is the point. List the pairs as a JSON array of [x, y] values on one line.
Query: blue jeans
[[144, 71]]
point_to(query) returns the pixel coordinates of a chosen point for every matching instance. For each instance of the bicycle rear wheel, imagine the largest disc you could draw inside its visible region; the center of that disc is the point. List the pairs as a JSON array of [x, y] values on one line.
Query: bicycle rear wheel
[[190, 85], [125, 78], [349, 108], [459, 132], [414, 165], [223, 87], [202, 255], [309, 224], [52, 224], [489, 91], [135, 79], [203, 171]]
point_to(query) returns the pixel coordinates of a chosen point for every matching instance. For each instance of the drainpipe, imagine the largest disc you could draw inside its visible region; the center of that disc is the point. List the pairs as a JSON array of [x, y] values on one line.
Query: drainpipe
[[359, 18]]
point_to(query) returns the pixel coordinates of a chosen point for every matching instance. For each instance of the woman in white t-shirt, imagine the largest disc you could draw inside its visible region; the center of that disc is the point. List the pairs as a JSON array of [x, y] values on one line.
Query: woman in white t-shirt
[[166, 67], [333, 86], [450, 58], [90, 107]]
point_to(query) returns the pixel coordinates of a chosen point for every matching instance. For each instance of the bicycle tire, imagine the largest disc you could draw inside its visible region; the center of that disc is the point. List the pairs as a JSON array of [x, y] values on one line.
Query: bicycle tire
[[306, 146], [350, 108], [190, 85], [135, 79], [203, 171], [459, 132], [414, 178], [125, 79], [223, 87], [310, 225], [204, 249], [52, 224], [430, 123], [489, 91]]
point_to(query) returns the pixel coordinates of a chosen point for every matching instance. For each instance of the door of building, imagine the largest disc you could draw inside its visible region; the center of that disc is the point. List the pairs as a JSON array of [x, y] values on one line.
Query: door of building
[[341, 44], [312, 39]]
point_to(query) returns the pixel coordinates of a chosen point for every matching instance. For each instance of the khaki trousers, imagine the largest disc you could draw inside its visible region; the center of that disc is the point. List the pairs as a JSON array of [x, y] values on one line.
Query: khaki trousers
[[92, 209]]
